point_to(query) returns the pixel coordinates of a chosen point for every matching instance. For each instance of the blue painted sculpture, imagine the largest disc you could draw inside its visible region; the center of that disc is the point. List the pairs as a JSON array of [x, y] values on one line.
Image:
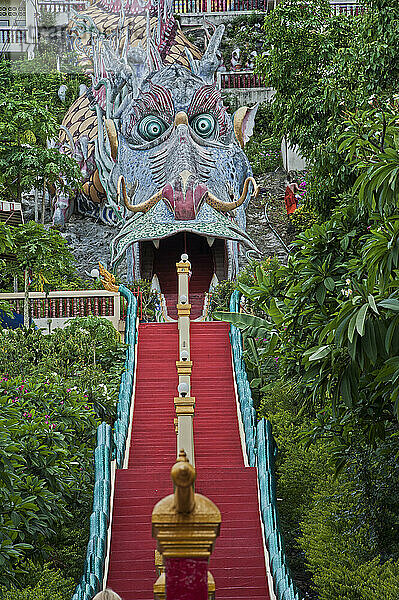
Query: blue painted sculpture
[[159, 152]]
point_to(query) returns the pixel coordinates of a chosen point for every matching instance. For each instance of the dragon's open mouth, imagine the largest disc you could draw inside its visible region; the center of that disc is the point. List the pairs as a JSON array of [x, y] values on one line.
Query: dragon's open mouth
[[207, 257], [212, 243]]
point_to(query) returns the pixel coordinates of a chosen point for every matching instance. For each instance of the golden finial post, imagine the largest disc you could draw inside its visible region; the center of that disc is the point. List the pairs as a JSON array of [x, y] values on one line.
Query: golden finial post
[[183, 476], [185, 525], [184, 403], [107, 279]]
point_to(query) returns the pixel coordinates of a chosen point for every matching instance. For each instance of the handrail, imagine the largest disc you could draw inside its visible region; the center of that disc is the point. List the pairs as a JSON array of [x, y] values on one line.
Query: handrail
[[109, 454], [262, 451], [248, 412], [93, 572], [121, 425], [267, 451]]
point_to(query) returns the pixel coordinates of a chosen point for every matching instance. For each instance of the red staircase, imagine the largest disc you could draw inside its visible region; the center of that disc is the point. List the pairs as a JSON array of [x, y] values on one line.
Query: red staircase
[[152, 452], [237, 563]]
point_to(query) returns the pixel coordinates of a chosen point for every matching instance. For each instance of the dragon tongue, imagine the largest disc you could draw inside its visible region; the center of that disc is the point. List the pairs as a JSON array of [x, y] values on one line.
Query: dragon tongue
[[184, 205]]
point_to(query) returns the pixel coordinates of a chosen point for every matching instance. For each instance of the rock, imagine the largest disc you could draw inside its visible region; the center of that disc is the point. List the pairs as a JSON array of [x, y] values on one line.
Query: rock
[[270, 241]]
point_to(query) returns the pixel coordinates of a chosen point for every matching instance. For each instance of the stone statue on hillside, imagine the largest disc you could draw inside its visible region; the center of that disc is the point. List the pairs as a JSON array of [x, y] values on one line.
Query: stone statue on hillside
[[158, 150]]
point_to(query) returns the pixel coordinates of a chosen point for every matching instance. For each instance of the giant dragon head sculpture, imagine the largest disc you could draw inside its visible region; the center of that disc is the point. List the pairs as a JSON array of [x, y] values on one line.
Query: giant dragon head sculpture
[[170, 158]]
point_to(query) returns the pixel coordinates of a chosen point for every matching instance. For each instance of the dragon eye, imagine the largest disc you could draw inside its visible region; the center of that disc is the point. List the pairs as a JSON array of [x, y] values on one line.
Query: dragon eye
[[203, 125], [151, 127]]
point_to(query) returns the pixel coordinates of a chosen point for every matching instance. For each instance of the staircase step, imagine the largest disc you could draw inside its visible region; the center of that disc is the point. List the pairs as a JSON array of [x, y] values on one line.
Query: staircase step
[[237, 562]]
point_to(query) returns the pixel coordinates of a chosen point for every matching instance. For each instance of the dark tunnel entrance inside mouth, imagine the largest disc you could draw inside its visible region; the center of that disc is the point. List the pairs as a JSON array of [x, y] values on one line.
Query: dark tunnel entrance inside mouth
[[205, 261]]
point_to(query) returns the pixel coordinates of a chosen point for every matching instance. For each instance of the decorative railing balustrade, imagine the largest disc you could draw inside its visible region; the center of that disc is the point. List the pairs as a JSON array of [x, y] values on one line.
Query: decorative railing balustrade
[[195, 7], [349, 8], [13, 35], [62, 7], [239, 79], [261, 451], [56, 308], [61, 306], [219, 6], [199, 6]]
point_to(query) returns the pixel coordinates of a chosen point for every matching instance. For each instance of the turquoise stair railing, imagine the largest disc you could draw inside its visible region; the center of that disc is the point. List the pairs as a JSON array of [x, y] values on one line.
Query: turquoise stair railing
[[122, 422], [262, 451], [111, 446], [248, 413]]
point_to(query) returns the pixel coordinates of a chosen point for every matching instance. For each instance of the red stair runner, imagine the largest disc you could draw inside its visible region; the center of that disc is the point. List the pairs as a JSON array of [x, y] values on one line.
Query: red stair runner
[[237, 563]]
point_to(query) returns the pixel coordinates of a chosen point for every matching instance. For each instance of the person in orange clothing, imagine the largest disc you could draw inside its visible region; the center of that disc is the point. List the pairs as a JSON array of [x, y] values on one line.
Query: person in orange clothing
[[291, 191]]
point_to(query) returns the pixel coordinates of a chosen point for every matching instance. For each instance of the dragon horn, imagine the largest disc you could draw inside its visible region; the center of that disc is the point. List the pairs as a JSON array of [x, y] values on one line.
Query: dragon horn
[[226, 206], [135, 208]]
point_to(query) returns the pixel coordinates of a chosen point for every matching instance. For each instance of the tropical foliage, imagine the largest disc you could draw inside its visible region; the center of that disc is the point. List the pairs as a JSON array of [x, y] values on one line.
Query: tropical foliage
[[43, 252], [322, 67], [27, 158], [333, 310], [329, 320], [30, 114], [55, 391], [340, 528]]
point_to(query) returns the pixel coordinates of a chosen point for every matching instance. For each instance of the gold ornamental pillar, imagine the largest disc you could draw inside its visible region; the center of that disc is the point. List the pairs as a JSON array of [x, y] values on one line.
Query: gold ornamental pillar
[[185, 525], [183, 309], [184, 403]]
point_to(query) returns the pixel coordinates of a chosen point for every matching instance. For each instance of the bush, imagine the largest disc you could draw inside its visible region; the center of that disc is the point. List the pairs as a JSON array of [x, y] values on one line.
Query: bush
[[50, 585], [84, 355], [220, 297], [264, 155], [303, 218], [298, 469], [68, 547], [56, 389], [341, 526], [338, 545], [47, 435]]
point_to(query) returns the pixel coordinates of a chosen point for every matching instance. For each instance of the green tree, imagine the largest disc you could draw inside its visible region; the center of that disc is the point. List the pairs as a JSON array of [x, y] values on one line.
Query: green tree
[[26, 160], [40, 254], [320, 67], [332, 312]]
